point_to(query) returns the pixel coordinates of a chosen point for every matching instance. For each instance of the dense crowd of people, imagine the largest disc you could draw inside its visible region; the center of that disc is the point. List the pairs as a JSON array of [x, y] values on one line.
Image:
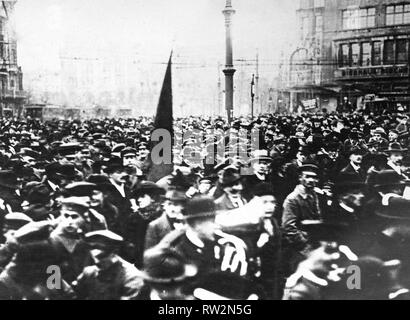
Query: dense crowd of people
[[319, 209]]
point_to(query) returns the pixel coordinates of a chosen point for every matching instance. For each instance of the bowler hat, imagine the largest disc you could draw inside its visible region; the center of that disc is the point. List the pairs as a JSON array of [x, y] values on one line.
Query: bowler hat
[[148, 187], [309, 168], [397, 209], [79, 189], [114, 164], [176, 195], [8, 179], [357, 151], [395, 147], [200, 207], [79, 204], [263, 189], [163, 266], [230, 177], [128, 151], [103, 239], [347, 182], [388, 178], [260, 155], [16, 220]]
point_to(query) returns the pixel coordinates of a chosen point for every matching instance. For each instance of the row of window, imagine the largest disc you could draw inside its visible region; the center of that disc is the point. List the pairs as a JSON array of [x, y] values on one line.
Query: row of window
[[366, 17], [374, 53]]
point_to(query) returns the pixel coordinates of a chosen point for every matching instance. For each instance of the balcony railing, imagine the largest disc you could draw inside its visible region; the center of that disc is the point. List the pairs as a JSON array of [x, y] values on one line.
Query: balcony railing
[[398, 71], [13, 94]]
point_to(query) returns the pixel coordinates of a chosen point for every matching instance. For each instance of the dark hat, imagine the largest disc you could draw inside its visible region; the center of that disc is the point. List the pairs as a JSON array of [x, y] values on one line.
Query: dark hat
[[80, 189], [98, 179], [309, 168], [62, 170], [397, 209], [357, 151], [78, 204], [150, 188], [210, 178], [67, 171], [113, 165], [16, 220], [263, 189], [176, 195], [260, 155], [103, 239], [118, 148], [388, 178], [347, 182], [66, 149], [230, 177], [222, 165], [395, 147], [8, 179], [200, 207], [325, 230], [38, 193], [163, 266], [127, 151]]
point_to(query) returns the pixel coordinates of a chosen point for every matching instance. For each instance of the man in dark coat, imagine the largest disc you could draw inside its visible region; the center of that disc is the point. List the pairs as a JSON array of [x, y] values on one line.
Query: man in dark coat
[[233, 188], [39, 245], [301, 204], [355, 165], [201, 244], [170, 219], [111, 277]]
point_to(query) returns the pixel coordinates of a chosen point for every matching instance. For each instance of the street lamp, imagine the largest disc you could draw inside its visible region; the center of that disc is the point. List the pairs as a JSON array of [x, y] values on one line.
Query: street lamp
[[252, 93]]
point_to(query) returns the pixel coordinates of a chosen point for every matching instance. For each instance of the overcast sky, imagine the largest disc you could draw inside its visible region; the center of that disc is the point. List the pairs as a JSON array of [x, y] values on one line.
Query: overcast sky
[[194, 29]]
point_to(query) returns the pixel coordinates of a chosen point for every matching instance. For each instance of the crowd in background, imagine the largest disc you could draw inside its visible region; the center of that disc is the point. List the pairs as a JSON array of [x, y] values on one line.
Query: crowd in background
[[319, 195]]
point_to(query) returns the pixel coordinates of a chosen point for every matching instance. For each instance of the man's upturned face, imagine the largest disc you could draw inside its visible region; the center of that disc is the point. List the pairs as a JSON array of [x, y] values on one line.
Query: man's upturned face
[[119, 177], [103, 259], [173, 209], [145, 201], [301, 157], [234, 190], [72, 222], [309, 179], [396, 158], [129, 160], [354, 198], [205, 229], [97, 198], [393, 136], [269, 204], [261, 167], [204, 186], [356, 159]]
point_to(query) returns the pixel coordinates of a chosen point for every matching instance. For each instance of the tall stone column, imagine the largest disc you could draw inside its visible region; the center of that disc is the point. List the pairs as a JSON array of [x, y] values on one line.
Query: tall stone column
[[229, 69]]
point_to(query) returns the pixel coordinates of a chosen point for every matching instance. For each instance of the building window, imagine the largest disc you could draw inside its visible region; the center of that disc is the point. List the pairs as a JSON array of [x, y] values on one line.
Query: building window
[[402, 51], [389, 52], [355, 54], [319, 3], [304, 4], [366, 54], [305, 27], [359, 18], [377, 53], [345, 59], [319, 23], [398, 14]]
